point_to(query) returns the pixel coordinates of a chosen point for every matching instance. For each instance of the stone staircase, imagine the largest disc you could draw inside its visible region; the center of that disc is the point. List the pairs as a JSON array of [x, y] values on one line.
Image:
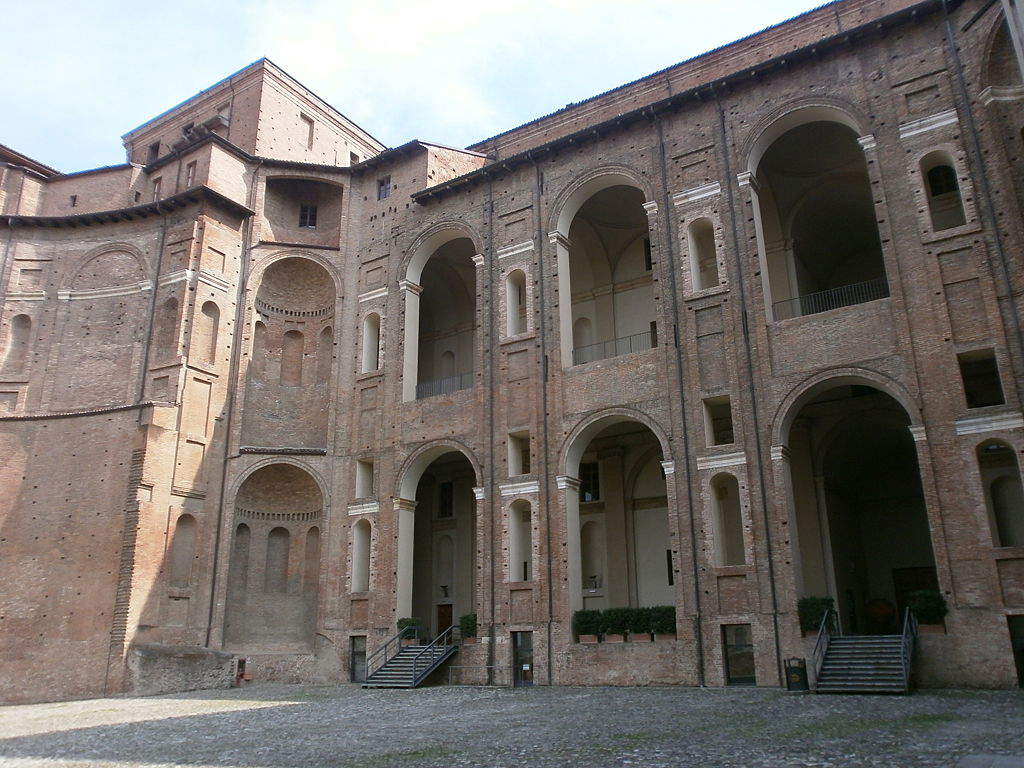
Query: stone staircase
[[863, 664], [410, 666]]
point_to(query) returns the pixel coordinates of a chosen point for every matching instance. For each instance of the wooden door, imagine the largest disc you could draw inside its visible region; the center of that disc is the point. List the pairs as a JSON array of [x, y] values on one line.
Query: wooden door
[[444, 617]]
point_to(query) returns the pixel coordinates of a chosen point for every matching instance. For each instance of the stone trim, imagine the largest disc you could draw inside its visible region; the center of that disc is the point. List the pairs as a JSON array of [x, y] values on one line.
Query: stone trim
[[478, 493], [996, 423], [213, 281], [364, 508], [867, 142], [26, 296], [723, 460], [1001, 93], [175, 277], [651, 207], [747, 179], [564, 482], [410, 287], [105, 293], [376, 293], [780, 452], [514, 489], [930, 123], [557, 238], [399, 503], [284, 451], [512, 250], [917, 431], [668, 467], [697, 193]]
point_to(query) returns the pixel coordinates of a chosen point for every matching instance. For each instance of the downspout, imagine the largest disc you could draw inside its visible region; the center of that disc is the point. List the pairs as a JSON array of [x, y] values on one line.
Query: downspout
[[677, 341], [541, 330], [490, 419], [236, 355], [751, 392]]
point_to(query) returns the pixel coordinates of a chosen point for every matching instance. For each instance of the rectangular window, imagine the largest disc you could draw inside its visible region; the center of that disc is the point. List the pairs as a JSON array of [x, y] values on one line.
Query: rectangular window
[[364, 478], [654, 334], [718, 420], [738, 642], [980, 374], [590, 481], [156, 188], [518, 453], [353, 158], [153, 152], [384, 188], [310, 129], [190, 174], [668, 565], [445, 500], [307, 216], [648, 261], [74, 201]]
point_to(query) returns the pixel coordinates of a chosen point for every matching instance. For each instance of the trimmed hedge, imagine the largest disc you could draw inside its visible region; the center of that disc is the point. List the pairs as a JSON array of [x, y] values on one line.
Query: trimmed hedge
[[467, 625], [660, 619], [928, 606], [615, 621], [811, 610], [639, 621], [586, 623], [663, 619]]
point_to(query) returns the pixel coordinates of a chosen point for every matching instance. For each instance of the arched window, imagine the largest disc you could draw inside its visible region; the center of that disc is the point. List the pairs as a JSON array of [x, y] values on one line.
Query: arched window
[[943, 191], [361, 556], [19, 343], [183, 551], [259, 348], [703, 257], [1004, 496], [520, 542], [447, 367], [515, 303], [291, 359], [206, 337], [311, 571], [371, 343], [728, 521], [238, 573], [167, 329], [275, 575], [324, 355], [582, 333]]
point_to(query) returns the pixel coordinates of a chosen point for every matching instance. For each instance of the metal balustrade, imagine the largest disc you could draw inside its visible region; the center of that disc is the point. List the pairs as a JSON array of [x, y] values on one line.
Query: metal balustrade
[[602, 350], [833, 298], [444, 386]]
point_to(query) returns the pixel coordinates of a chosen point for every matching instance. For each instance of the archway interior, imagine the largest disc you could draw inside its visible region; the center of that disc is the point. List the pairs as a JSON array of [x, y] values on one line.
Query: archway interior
[[861, 518], [620, 516], [291, 357], [447, 320], [611, 276], [821, 240], [444, 544], [273, 572]]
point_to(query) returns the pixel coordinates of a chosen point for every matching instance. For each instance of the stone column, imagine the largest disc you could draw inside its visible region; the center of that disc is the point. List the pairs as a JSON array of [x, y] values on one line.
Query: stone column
[[411, 339], [562, 244], [405, 529], [570, 492]]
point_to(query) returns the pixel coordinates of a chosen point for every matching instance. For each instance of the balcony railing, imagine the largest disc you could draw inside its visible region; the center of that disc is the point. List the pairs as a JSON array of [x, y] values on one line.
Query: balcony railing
[[833, 298], [638, 342], [444, 386]]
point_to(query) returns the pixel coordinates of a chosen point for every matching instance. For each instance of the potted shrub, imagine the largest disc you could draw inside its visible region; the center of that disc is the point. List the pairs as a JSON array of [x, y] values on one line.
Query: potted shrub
[[586, 625], [467, 627], [811, 610], [663, 622], [414, 638], [929, 608], [615, 624], [639, 625]]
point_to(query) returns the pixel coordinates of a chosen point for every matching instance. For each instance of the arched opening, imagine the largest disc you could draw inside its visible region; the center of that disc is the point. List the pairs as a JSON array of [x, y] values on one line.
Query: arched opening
[[206, 334], [361, 533], [183, 551], [729, 547], [816, 216], [371, 343], [945, 206], [286, 402], [18, 343], [700, 236], [1004, 497], [859, 507], [520, 541], [515, 303], [441, 341], [619, 548], [275, 560], [437, 540], [607, 278], [167, 330]]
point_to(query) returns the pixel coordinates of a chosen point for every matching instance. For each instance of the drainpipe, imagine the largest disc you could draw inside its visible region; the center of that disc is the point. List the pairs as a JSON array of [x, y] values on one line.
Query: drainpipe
[[751, 392], [490, 418]]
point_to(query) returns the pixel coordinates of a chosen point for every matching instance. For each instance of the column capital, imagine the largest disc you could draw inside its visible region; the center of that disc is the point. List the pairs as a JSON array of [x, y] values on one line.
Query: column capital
[[478, 260], [867, 142], [478, 493], [651, 206], [747, 179], [405, 504], [780, 453], [917, 431], [410, 287], [564, 482], [557, 238], [668, 467]]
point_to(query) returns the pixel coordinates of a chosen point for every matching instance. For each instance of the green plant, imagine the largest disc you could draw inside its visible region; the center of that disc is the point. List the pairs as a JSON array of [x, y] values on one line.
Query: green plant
[[663, 619], [467, 625], [811, 610], [586, 623], [615, 621], [411, 622], [639, 621], [928, 606]]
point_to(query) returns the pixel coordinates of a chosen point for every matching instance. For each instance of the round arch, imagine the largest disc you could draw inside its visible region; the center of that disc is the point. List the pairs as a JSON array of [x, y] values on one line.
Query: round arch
[[576, 443], [427, 243], [260, 266], [581, 189], [417, 462], [262, 463], [128, 250], [792, 116]]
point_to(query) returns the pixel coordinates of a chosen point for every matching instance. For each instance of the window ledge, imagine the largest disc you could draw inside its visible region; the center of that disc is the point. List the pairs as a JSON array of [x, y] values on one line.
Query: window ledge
[[527, 335], [1007, 553], [370, 375], [970, 228], [716, 290], [792, 321], [608, 362]]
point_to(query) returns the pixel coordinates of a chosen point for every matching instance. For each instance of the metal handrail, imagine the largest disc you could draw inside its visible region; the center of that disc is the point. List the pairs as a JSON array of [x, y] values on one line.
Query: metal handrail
[[833, 298], [907, 644], [443, 639], [396, 639], [829, 626], [602, 350], [444, 386]]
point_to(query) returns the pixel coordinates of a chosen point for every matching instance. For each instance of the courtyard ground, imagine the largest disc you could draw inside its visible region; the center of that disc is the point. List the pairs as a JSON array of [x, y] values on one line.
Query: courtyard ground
[[291, 725]]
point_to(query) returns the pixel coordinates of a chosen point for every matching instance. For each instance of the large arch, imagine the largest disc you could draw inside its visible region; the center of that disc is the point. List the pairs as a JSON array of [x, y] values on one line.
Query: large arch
[[792, 116], [589, 426]]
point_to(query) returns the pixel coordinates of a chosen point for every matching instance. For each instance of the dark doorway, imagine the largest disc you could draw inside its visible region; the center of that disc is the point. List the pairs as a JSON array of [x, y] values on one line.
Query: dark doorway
[[738, 647], [1017, 641], [357, 658], [522, 659], [444, 617]]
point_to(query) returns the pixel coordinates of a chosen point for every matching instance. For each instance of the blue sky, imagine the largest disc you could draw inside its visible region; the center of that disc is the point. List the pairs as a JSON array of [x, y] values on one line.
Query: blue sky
[[83, 73]]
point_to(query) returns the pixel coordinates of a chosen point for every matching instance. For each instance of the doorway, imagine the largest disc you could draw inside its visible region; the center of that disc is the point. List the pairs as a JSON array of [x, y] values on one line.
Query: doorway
[[357, 658], [444, 617], [522, 659], [738, 648], [1017, 641]]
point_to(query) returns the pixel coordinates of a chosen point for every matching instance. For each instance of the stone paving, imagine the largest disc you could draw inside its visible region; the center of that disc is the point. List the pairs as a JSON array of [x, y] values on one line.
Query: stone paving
[[288, 725]]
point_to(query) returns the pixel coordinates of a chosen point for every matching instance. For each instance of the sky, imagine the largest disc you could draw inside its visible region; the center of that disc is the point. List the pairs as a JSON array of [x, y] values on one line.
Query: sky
[[81, 74]]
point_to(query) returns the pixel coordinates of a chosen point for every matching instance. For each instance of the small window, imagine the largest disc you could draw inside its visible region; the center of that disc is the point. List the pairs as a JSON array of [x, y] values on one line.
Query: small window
[[648, 261], [980, 374], [384, 188], [654, 333], [353, 158], [945, 205], [190, 174], [310, 129], [668, 567], [590, 481], [718, 420], [364, 478], [307, 216], [156, 188], [153, 152], [518, 453], [74, 201], [138, 196], [445, 500], [703, 256]]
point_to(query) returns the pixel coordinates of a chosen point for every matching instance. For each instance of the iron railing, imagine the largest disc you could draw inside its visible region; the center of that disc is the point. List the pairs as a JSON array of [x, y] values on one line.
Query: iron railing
[[380, 657], [602, 350], [833, 298], [423, 661], [907, 645], [828, 629], [444, 386]]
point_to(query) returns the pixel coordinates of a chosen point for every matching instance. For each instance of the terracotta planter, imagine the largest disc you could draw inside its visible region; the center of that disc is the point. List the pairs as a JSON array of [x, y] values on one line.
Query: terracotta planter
[[641, 638], [662, 637], [931, 629], [610, 638], [588, 639]]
